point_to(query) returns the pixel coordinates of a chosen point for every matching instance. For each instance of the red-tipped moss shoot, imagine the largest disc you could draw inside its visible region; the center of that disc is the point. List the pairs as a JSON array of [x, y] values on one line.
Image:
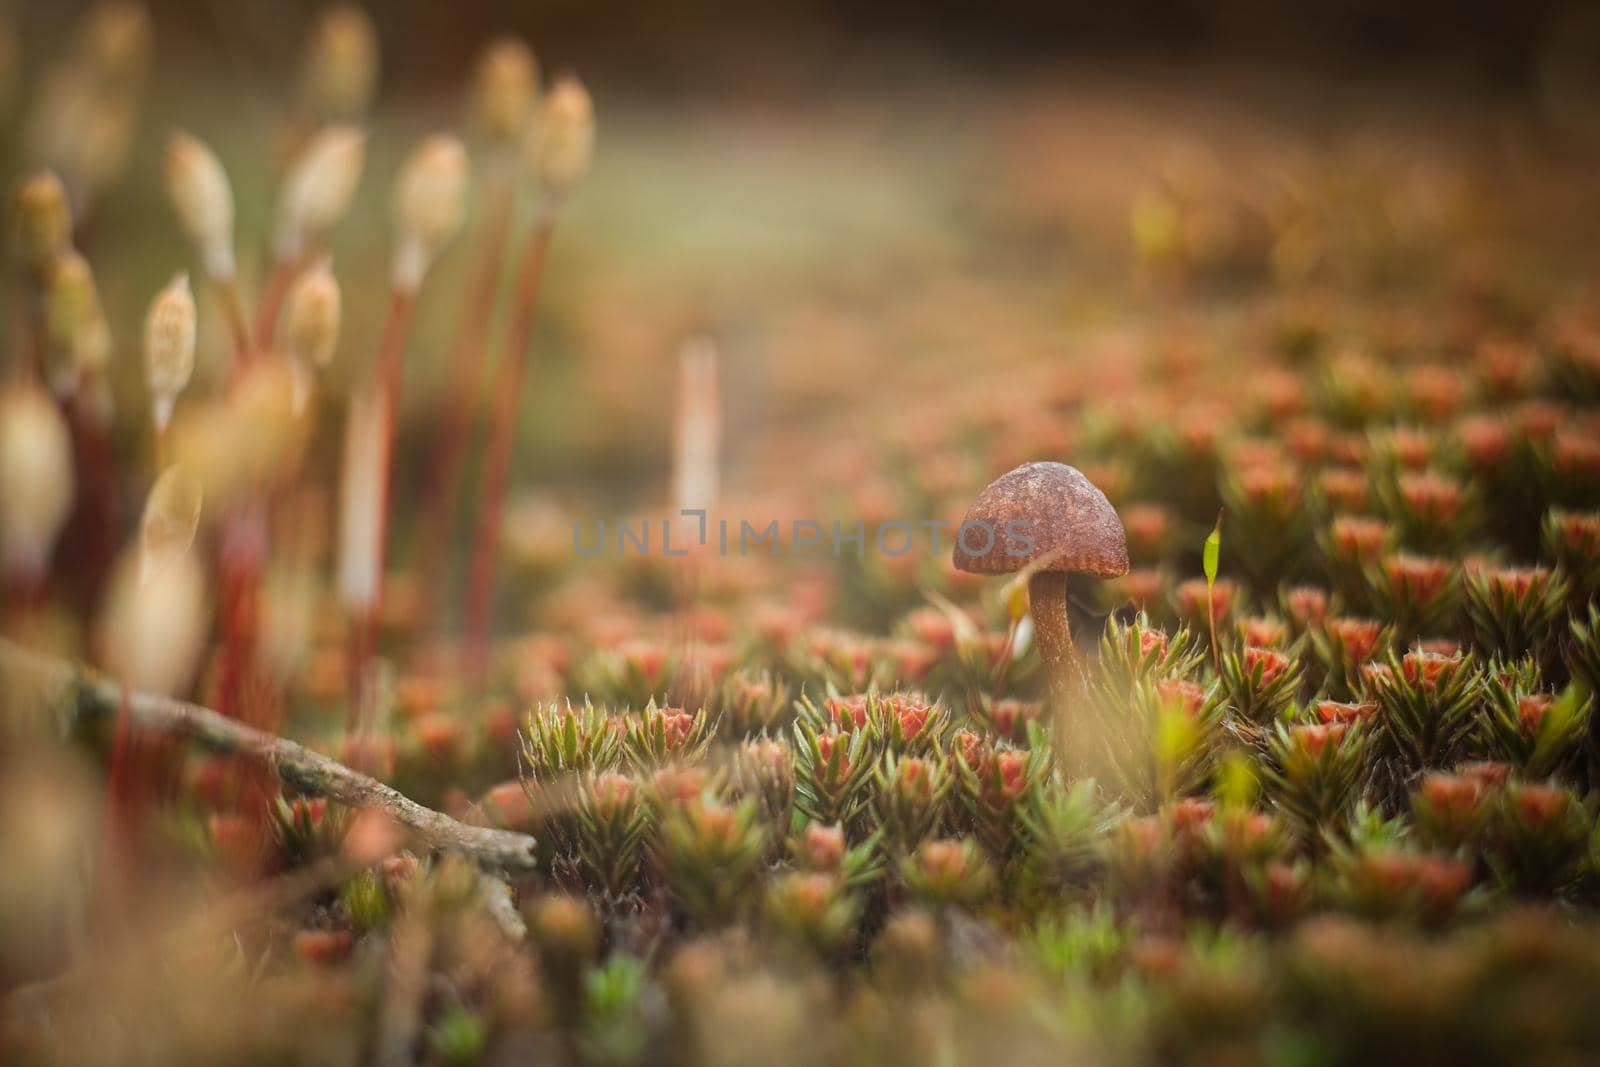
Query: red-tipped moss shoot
[[169, 339]]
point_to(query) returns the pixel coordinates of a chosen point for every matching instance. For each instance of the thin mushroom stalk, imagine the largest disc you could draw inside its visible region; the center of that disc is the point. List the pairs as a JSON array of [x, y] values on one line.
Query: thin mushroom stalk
[[1052, 632]]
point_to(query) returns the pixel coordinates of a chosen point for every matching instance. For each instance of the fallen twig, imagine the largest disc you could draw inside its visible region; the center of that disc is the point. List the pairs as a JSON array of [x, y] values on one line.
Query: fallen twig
[[80, 692]]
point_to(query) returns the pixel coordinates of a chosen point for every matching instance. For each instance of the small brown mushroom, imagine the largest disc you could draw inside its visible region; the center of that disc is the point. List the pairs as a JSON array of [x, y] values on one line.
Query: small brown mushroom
[[1050, 520]]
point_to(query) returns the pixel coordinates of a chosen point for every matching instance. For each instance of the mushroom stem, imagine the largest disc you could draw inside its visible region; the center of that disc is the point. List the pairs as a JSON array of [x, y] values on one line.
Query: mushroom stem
[[1047, 599]]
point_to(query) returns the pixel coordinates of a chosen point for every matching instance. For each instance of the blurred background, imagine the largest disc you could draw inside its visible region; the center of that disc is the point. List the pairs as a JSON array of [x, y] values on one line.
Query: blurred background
[[687, 46], [757, 168], [881, 214]]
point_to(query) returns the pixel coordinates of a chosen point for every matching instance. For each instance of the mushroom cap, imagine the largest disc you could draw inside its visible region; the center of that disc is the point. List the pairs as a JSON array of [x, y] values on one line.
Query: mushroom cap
[[1045, 513]]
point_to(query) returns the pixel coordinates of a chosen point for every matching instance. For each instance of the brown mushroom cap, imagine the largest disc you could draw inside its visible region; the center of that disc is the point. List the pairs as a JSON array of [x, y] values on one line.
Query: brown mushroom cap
[[1071, 524]]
